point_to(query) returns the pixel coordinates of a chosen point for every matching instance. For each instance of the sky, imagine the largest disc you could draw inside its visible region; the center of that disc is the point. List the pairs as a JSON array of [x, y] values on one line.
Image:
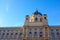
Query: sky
[[13, 12]]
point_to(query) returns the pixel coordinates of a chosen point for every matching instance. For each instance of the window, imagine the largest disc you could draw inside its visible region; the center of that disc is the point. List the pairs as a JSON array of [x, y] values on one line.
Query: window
[[3, 30], [40, 28], [36, 19], [35, 28], [44, 17], [40, 32], [7, 33], [40, 35], [51, 29], [57, 35], [16, 33], [30, 34], [8, 30], [20, 33], [11, 33], [45, 27], [26, 18], [30, 29], [40, 19], [35, 34], [57, 29], [3, 34], [52, 35]]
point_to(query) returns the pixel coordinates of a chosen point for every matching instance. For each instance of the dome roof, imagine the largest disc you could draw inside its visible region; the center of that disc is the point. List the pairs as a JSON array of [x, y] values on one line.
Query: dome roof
[[36, 13], [27, 15]]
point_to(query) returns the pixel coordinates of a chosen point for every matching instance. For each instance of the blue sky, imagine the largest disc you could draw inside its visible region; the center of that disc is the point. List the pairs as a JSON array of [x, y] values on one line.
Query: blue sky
[[12, 12]]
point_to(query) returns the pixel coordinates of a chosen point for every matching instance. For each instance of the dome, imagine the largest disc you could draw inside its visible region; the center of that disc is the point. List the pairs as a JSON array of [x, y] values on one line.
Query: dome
[[36, 13], [27, 15]]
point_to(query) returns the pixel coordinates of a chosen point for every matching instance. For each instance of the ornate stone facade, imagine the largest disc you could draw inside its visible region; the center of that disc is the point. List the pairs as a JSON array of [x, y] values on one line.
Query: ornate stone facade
[[35, 28]]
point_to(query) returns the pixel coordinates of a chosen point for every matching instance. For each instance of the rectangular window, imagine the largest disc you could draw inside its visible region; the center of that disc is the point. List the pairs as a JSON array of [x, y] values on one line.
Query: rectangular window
[[57, 35], [52, 35], [30, 34], [40, 35], [20, 35], [35, 34], [57, 29]]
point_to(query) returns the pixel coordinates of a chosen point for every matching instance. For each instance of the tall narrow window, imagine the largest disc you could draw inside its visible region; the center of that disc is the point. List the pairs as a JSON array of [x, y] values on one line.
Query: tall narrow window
[[57, 35], [57, 29], [16, 33], [52, 35], [40, 34], [7, 34], [36, 19], [30, 34], [11, 35], [20, 35], [40, 19], [3, 35], [35, 34]]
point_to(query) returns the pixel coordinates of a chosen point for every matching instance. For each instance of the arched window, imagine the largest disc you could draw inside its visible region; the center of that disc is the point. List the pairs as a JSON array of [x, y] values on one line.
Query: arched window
[[36, 19], [45, 18]]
